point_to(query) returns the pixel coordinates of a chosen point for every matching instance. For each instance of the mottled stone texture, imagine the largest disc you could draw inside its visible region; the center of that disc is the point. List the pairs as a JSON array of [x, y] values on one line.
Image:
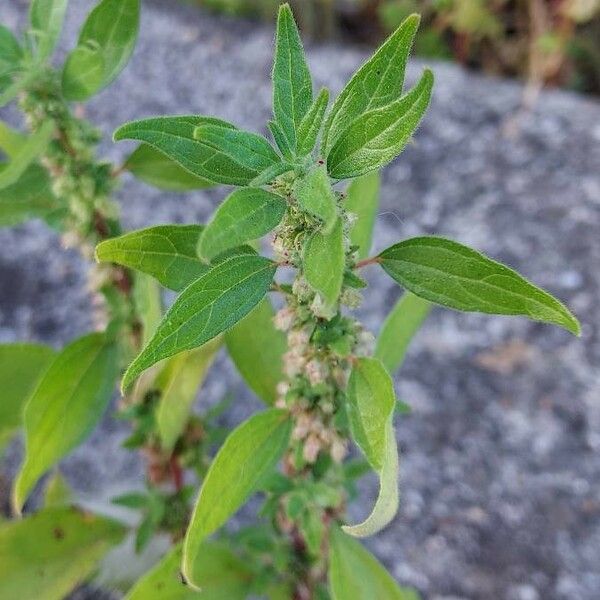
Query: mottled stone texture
[[500, 468]]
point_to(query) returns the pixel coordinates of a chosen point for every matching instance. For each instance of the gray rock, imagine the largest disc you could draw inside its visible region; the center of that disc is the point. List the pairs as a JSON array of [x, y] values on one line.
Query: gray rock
[[500, 476]]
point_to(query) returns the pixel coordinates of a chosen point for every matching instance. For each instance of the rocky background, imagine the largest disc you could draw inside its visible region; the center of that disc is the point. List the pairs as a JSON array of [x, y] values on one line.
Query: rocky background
[[500, 467]]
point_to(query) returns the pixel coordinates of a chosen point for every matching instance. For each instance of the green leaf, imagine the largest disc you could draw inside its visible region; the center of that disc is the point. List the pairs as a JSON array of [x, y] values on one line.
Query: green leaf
[[35, 145], [377, 83], [224, 576], [10, 87], [378, 136], [315, 196], [257, 348], [48, 553], [323, 266], [105, 45], [58, 493], [65, 406], [209, 306], [399, 328], [167, 252], [11, 53], [311, 124], [355, 574], [292, 84], [156, 169], [46, 18], [249, 453], [453, 275], [362, 199], [178, 384], [370, 408], [21, 367], [280, 139], [174, 137], [148, 304], [11, 141], [244, 216]]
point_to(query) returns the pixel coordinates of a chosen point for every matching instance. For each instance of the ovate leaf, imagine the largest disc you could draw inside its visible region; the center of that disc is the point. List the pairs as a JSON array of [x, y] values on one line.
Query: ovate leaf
[[244, 216], [310, 127], [323, 265], [315, 196], [377, 83], [378, 136], [167, 252], [257, 348], [292, 84], [362, 199], [209, 306], [224, 576], [65, 406], [249, 453], [46, 18], [355, 574], [21, 366], [370, 408], [178, 385], [156, 169], [83, 73], [453, 275], [399, 328], [48, 553]]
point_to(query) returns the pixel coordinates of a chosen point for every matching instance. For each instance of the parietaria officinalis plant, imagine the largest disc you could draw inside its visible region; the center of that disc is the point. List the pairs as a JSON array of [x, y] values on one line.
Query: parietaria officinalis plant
[[325, 381]]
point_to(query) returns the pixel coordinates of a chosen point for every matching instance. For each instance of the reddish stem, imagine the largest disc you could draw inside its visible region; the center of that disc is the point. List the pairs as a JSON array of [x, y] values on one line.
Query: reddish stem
[[367, 261]]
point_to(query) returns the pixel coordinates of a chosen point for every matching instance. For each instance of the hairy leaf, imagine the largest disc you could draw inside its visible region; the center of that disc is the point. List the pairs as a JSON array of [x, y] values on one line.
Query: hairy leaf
[[156, 169], [355, 574], [48, 553], [178, 383], [377, 83], [67, 403], [378, 136], [244, 216], [323, 265], [249, 453], [280, 140], [315, 196], [257, 348], [46, 18], [311, 124], [292, 84], [209, 306], [224, 576], [21, 366], [167, 252], [399, 328], [362, 199], [453, 275], [370, 408]]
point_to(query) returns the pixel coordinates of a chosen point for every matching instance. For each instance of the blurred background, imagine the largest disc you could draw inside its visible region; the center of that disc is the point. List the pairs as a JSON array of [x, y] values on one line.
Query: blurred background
[[500, 483]]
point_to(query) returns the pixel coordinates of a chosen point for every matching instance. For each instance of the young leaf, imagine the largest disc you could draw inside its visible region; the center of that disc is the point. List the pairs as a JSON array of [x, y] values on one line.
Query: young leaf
[[178, 384], [315, 196], [148, 304], [57, 494], [46, 18], [249, 453], [310, 127], [174, 137], [167, 252], [225, 576], [378, 136], [48, 553], [323, 265], [399, 328], [35, 145], [377, 83], [10, 51], [292, 84], [156, 169], [280, 139], [453, 275], [355, 574], [244, 216], [21, 366], [257, 348], [370, 408], [209, 306], [106, 42], [362, 199], [65, 406]]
